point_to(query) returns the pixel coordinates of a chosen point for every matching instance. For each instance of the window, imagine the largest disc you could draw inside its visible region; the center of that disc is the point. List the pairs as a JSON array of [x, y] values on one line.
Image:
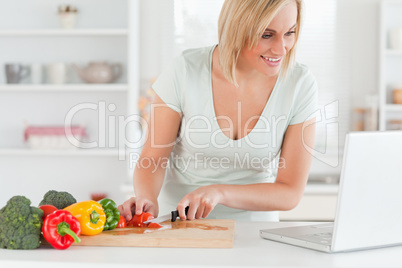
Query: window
[[196, 23]]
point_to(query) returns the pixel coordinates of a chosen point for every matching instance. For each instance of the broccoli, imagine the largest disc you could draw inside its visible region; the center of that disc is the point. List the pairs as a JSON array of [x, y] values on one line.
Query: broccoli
[[58, 199], [20, 224]]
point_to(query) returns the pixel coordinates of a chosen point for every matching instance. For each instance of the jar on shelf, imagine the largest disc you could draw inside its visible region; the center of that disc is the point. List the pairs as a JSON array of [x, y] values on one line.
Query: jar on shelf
[[397, 95], [67, 15], [395, 124], [358, 119]]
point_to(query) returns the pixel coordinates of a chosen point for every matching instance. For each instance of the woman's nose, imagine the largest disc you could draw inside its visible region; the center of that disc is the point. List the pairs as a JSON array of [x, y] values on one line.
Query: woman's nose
[[279, 47]]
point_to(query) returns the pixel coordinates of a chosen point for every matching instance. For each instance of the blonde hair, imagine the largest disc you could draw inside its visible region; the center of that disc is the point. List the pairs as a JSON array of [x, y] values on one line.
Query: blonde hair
[[243, 22]]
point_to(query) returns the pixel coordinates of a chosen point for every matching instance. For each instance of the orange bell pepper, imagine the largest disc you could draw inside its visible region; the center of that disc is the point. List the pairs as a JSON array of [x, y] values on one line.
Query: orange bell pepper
[[91, 216]]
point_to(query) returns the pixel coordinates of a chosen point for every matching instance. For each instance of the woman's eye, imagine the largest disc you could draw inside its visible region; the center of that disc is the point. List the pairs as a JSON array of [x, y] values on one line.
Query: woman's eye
[[266, 36], [290, 33]]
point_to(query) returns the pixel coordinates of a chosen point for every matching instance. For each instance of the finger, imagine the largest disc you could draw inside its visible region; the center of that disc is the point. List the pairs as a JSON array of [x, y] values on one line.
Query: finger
[[150, 207], [154, 212], [200, 211], [191, 211], [127, 208], [205, 202], [139, 206], [207, 209], [181, 207]]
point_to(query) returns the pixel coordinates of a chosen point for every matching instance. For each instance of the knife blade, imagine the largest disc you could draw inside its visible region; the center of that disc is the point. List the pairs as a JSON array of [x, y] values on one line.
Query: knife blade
[[172, 216]]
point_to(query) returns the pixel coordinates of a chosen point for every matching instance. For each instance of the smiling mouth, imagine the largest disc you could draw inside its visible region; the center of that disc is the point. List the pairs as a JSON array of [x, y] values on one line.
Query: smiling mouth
[[271, 59]]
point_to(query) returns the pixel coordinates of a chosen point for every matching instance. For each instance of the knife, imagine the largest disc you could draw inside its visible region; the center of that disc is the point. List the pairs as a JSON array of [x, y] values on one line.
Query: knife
[[172, 216]]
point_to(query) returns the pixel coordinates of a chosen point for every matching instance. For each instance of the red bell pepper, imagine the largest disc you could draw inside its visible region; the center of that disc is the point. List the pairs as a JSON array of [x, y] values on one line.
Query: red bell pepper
[[61, 229], [138, 220], [47, 209], [122, 222], [154, 225]]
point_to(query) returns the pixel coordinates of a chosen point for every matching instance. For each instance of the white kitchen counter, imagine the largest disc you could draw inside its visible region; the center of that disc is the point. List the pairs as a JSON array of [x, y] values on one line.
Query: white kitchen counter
[[249, 250]]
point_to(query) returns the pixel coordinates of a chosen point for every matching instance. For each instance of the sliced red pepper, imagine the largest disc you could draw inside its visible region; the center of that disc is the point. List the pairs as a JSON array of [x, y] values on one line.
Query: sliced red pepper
[[138, 220], [122, 222], [61, 229], [154, 225], [47, 209]]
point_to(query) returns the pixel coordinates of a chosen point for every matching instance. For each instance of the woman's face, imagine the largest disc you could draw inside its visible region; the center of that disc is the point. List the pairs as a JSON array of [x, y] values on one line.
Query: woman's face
[[277, 40]]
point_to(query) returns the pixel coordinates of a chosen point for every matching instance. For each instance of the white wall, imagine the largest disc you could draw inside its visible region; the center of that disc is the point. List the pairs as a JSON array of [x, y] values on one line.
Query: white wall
[[358, 37], [156, 45], [361, 17], [33, 176]]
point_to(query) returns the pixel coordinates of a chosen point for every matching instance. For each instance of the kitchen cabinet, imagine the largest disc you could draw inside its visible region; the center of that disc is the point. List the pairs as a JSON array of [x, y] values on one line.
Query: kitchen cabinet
[[30, 33], [317, 204], [390, 65]]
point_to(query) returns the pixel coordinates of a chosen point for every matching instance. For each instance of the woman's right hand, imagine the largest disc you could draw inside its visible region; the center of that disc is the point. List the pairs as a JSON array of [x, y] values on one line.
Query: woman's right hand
[[137, 205]]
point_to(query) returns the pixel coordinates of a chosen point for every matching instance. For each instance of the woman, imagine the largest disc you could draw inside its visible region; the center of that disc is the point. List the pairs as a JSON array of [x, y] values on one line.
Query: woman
[[223, 113]]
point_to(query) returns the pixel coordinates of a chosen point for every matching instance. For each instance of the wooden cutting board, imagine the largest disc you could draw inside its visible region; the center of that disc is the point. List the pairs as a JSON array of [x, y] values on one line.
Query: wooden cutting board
[[203, 233]]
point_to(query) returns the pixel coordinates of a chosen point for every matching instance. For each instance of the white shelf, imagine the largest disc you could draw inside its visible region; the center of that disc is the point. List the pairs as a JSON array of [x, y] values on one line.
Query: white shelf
[[34, 37], [394, 107], [65, 32], [393, 52], [55, 152], [389, 61], [321, 189], [64, 88]]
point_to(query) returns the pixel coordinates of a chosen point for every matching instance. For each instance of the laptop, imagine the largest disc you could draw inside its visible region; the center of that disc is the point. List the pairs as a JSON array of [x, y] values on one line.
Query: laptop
[[369, 204]]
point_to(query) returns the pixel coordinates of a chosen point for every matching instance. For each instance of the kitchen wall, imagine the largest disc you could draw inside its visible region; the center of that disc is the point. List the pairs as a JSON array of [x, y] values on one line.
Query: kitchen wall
[[358, 37], [33, 176], [154, 42], [361, 18]]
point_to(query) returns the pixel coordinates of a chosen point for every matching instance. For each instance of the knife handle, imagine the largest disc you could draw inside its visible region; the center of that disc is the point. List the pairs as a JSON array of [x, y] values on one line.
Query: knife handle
[[175, 214]]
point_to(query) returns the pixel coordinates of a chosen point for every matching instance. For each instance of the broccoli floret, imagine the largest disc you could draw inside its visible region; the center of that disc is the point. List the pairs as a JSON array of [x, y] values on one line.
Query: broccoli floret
[[20, 224], [58, 199]]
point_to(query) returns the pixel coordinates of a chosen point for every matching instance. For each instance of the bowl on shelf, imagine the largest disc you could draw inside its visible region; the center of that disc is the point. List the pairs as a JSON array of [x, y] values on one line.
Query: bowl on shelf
[[397, 94], [99, 72]]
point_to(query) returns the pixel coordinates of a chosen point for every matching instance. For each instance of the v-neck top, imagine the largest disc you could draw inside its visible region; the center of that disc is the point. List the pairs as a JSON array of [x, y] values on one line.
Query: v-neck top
[[204, 155], [213, 106]]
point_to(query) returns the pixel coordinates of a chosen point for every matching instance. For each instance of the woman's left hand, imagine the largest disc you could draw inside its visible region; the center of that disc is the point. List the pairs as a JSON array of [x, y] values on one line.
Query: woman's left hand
[[200, 202]]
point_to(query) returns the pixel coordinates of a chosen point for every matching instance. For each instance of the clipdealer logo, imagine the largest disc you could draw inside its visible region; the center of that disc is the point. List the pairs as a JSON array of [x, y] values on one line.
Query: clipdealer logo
[[202, 161], [114, 131], [326, 121]]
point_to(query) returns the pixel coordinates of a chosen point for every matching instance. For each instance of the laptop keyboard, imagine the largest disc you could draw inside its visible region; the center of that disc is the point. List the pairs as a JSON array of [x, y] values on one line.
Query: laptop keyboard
[[322, 238]]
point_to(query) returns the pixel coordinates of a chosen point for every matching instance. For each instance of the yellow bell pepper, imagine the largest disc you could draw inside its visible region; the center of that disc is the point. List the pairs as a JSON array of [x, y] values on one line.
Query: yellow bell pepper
[[91, 216]]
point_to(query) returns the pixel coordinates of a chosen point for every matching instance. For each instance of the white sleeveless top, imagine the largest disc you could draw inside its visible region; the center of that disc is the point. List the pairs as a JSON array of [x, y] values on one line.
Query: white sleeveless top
[[203, 155]]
